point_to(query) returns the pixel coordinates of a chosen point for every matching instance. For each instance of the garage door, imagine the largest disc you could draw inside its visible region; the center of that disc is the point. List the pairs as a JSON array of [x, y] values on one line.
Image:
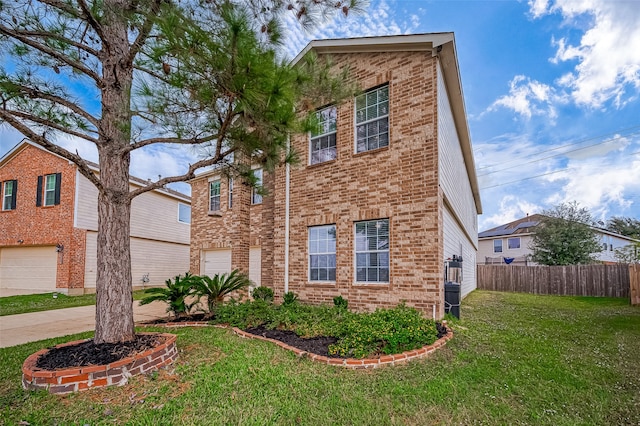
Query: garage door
[[215, 262], [255, 266], [28, 268]]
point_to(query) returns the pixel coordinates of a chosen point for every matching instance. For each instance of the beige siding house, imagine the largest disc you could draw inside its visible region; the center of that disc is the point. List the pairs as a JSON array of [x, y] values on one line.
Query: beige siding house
[[52, 247], [512, 243], [383, 196]]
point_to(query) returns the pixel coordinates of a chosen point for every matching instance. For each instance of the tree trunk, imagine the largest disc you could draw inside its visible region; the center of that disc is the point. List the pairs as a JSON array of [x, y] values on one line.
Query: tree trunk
[[114, 301]]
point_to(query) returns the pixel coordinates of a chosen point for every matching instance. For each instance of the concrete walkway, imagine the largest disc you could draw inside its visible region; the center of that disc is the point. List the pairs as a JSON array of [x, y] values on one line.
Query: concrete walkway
[[31, 327]]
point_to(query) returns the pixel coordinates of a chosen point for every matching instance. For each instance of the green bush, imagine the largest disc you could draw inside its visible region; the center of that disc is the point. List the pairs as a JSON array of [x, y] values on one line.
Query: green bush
[[244, 315], [289, 298], [340, 302], [215, 288], [385, 331], [174, 294], [263, 293]]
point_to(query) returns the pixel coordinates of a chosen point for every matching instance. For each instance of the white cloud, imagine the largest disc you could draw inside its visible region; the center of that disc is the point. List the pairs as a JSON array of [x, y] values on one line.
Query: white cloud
[[511, 208], [529, 97], [607, 55], [376, 20]]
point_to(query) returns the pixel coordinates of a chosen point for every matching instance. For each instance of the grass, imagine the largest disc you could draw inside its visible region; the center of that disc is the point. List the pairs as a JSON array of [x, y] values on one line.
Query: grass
[[12, 305], [515, 359]]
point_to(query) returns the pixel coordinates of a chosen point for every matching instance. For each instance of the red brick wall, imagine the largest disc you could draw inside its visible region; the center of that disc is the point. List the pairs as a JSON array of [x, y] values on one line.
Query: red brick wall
[[398, 182], [43, 226]]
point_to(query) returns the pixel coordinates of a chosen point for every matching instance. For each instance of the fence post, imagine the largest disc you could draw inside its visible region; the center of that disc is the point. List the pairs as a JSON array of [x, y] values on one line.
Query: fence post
[[634, 283]]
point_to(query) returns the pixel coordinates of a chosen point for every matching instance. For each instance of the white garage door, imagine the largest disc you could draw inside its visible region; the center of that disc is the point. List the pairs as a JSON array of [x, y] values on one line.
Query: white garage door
[[255, 266], [216, 262], [32, 269]]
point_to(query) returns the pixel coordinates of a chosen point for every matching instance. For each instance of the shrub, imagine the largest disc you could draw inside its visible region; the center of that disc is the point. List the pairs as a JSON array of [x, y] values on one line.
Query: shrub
[[289, 298], [244, 315], [174, 294], [340, 302], [215, 288], [385, 331], [263, 293]]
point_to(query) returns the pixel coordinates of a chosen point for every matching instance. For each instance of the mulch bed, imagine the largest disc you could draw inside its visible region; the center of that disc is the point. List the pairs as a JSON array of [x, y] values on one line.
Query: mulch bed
[[314, 345], [88, 353]]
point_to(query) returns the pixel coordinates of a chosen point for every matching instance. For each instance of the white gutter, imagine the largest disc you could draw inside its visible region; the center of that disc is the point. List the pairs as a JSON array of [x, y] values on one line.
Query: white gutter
[[286, 220]]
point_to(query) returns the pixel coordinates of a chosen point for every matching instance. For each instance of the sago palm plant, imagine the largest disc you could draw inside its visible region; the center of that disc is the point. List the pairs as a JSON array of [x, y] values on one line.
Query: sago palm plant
[[215, 288], [174, 294]]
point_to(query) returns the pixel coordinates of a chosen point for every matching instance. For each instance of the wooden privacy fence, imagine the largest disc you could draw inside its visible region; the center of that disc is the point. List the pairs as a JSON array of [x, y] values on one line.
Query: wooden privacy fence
[[576, 280]]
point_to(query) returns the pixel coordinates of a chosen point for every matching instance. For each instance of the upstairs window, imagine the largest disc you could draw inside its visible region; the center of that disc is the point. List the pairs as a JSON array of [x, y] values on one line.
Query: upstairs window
[[10, 189], [214, 196], [372, 251], [230, 193], [256, 198], [184, 213], [513, 243], [372, 119], [497, 246], [323, 141], [48, 192]]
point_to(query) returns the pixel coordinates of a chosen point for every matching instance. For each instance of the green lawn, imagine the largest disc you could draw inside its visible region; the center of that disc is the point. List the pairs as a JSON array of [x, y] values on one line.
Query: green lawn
[[515, 359], [45, 302]]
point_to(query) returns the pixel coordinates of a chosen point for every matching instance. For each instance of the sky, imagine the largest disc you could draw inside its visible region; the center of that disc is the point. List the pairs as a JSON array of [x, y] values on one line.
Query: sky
[[551, 89]]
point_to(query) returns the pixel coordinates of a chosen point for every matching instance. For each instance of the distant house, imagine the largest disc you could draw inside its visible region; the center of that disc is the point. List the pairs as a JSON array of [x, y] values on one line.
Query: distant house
[[49, 222], [509, 243], [384, 194]]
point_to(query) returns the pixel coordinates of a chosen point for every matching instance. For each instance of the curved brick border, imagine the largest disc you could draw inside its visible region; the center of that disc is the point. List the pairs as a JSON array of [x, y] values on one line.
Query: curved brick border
[[95, 376], [352, 363]]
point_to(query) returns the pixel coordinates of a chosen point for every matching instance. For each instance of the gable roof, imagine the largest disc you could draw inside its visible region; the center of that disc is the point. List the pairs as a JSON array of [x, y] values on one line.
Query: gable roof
[[524, 226], [93, 166], [441, 45]]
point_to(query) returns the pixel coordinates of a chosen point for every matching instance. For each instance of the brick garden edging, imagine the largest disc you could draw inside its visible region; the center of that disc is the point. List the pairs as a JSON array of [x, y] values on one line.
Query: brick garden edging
[[81, 378], [356, 363], [352, 363]]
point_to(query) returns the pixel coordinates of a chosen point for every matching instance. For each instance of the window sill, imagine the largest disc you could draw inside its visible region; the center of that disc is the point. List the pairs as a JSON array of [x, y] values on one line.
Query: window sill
[[372, 285], [313, 166], [327, 284], [371, 151], [214, 213]]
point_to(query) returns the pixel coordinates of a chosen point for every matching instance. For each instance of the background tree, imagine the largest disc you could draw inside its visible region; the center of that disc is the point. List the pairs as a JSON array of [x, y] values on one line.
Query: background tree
[[564, 237], [627, 226], [628, 254], [127, 74]]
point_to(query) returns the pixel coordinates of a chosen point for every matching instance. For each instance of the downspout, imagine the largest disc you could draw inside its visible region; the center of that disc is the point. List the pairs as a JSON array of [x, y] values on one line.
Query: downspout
[[286, 220]]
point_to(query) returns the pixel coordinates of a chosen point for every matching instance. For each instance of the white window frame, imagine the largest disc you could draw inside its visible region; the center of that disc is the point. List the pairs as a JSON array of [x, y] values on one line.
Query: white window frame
[[501, 246], [363, 105], [7, 198], [255, 197], [230, 190], [180, 205], [324, 249], [49, 191], [366, 251], [509, 243], [213, 196], [327, 123]]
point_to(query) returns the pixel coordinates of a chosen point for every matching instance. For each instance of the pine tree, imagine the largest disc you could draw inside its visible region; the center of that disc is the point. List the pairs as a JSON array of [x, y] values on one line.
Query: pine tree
[[151, 72]]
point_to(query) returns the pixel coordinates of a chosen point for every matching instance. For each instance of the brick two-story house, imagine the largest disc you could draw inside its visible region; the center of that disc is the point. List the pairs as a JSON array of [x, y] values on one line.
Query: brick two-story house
[[49, 222], [385, 194]]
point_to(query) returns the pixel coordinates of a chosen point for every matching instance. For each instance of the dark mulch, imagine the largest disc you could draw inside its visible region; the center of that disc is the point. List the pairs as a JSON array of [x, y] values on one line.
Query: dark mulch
[[314, 345], [88, 353]]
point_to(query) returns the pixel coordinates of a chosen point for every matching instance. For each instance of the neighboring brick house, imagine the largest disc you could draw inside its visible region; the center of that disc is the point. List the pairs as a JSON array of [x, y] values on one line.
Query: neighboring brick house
[[384, 194], [512, 241], [49, 222]]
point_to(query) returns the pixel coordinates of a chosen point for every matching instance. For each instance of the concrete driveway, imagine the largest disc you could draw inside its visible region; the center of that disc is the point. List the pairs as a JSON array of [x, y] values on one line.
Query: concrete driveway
[[31, 327]]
